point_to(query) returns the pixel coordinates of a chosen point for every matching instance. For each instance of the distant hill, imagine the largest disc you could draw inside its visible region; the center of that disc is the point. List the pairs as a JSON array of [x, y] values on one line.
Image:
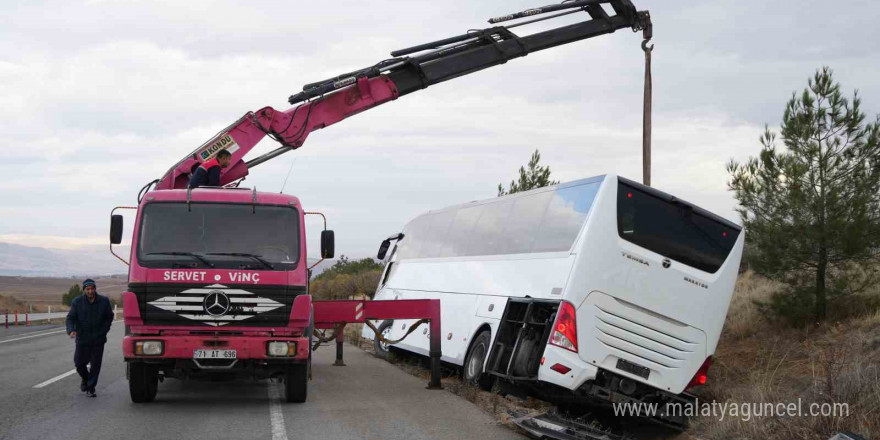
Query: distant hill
[[37, 261]]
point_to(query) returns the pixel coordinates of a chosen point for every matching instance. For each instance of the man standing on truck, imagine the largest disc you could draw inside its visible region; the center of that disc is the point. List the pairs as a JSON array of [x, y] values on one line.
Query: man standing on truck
[[88, 323], [208, 173]]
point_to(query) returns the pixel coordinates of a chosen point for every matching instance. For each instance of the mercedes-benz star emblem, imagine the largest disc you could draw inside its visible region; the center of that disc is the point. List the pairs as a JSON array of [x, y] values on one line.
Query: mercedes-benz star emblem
[[666, 263], [216, 303]]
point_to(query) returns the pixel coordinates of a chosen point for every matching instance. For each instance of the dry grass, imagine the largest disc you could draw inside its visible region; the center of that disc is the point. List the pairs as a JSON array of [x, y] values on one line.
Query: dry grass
[[760, 360], [43, 292], [744, 317]]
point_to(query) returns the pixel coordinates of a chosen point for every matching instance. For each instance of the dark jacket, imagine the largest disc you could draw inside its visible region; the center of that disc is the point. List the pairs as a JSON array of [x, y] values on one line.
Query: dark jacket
[[207, 174], [90, 321]]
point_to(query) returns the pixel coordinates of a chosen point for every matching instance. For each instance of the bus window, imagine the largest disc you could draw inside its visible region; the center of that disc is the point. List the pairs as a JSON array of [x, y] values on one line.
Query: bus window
[[673, 228], [461, 232], [524, 222], [487, 237], [564, 217], [436, 234]]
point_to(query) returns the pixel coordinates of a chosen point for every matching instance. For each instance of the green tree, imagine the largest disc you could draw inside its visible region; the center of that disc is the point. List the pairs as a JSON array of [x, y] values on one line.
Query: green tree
[[344, 265], [72, 293], [347, 278], [811, 210], [536, 176]]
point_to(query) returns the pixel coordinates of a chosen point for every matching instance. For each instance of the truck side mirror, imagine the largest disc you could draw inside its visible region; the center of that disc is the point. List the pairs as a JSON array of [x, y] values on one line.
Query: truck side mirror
[[383, 248], [115, 229], [328, 244]]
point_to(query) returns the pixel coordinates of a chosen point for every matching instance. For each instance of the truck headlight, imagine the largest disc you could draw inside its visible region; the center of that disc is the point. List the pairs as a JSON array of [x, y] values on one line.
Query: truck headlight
[[149, 348], [281, 349]]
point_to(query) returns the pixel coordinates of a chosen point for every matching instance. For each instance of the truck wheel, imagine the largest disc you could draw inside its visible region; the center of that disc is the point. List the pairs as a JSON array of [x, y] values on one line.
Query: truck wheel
[[143, 383], [383, 349], [296, 384], [475, 361]]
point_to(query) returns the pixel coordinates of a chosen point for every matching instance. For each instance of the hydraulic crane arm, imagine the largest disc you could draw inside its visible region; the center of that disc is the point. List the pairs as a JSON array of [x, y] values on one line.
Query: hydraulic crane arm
[[327, 102]]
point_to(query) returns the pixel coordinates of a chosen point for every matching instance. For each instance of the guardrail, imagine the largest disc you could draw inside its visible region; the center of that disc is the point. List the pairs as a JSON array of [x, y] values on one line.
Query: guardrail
[[14, 318]]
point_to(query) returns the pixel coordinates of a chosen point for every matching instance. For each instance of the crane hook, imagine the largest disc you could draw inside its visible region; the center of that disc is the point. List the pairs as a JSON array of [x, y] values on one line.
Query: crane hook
[[645, 46]]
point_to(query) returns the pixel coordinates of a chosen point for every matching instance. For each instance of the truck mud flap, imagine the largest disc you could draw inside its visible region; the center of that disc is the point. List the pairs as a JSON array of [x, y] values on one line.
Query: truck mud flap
[[549, 426]]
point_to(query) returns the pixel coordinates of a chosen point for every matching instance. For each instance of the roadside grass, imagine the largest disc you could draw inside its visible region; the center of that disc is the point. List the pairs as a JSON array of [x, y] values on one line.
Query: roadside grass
[[9, 304], [761, 360]]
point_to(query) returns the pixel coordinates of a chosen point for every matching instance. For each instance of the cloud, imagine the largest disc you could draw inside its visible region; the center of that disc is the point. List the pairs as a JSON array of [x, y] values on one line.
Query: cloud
[[114, 92]]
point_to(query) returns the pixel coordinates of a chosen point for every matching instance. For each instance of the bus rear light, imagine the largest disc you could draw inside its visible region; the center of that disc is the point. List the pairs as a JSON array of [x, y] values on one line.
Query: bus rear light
[[559, 368], [702, 374], [565, 328]]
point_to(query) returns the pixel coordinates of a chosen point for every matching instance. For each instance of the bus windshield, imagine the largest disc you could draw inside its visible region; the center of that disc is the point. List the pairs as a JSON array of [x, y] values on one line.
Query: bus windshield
[[219, 235]]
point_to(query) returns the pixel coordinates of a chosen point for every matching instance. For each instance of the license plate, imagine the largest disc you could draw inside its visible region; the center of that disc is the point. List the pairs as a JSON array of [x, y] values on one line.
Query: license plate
[[215, 354], [630, 367]]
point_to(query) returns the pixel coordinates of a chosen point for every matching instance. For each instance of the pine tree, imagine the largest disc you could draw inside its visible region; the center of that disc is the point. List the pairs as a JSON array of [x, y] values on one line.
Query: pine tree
[[535, 176], [72, 293], [811, 210]]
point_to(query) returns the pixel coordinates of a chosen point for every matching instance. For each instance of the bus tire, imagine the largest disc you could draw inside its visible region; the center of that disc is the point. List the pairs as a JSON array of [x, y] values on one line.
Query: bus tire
[[143, 383], [475, 362], [383, 349], [296, 383]]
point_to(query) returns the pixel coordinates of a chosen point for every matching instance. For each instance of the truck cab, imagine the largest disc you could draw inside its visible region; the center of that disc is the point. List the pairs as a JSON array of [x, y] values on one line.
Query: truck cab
[[218, 289]]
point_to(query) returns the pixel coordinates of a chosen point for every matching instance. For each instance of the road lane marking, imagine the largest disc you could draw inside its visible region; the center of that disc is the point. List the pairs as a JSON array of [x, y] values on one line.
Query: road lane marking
[[279, 431], [33, 336], [42, 334], [55, 379]]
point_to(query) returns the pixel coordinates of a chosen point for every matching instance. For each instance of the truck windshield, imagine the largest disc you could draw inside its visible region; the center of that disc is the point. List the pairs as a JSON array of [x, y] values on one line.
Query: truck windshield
[[673, 228], [219, 235]]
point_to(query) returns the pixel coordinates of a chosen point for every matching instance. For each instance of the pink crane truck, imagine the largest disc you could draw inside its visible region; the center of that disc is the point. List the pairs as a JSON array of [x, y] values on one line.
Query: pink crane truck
[[218, 276]]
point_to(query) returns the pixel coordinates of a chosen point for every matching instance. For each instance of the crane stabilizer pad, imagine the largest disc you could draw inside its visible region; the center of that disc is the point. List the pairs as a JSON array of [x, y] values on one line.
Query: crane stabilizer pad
[[554, 427]]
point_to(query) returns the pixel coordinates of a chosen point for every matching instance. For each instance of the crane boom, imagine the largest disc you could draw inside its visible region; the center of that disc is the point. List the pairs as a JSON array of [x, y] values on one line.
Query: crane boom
[[327, 102]]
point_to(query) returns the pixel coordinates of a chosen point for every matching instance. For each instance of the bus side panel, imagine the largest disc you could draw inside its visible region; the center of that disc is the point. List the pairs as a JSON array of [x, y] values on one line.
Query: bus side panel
[[457, 325], [467, 288], [505, 276]]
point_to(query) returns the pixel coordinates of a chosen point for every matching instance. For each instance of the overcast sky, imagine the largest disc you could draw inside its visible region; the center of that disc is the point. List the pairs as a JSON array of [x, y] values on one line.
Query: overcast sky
[[99, 97]]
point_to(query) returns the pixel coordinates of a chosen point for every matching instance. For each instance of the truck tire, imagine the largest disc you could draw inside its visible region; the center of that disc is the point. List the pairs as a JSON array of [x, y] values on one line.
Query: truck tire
[[296, 383], [143, 383], [383, 349], [475, 361]]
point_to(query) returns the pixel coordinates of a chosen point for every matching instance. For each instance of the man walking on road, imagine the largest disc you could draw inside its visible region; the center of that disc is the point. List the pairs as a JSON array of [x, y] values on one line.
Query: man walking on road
[[88, 322]]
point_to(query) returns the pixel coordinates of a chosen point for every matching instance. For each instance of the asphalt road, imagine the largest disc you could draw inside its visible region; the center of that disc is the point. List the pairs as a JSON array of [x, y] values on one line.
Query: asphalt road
[[366, 399]]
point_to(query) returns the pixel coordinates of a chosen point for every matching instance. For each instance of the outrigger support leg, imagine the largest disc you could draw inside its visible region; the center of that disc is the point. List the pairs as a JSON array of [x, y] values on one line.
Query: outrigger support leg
[[339, 362], [329, 314]]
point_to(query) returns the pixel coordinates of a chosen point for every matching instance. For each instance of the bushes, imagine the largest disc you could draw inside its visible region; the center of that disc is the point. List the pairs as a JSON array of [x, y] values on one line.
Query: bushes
[[347, 279], [760, 358], [72, 293]]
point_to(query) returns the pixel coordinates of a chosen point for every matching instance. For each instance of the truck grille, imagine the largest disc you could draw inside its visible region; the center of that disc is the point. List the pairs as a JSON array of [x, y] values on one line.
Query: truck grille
[[215, 305]]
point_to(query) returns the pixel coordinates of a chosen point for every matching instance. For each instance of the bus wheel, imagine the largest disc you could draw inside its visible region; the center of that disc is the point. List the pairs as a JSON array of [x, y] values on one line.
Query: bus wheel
[[296, 384], [143, 383], [383, 349], [474, 363]]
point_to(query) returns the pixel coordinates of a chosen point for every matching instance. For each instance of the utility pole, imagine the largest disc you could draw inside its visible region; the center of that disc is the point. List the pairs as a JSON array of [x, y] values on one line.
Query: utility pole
[[646, 115]]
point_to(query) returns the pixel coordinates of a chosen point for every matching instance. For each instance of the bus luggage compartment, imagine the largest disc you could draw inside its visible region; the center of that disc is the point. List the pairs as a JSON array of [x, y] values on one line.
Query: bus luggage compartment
[[521, 338]]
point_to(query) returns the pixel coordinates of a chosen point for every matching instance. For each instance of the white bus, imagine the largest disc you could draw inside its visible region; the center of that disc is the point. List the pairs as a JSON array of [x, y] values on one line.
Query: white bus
[[600, 289]]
